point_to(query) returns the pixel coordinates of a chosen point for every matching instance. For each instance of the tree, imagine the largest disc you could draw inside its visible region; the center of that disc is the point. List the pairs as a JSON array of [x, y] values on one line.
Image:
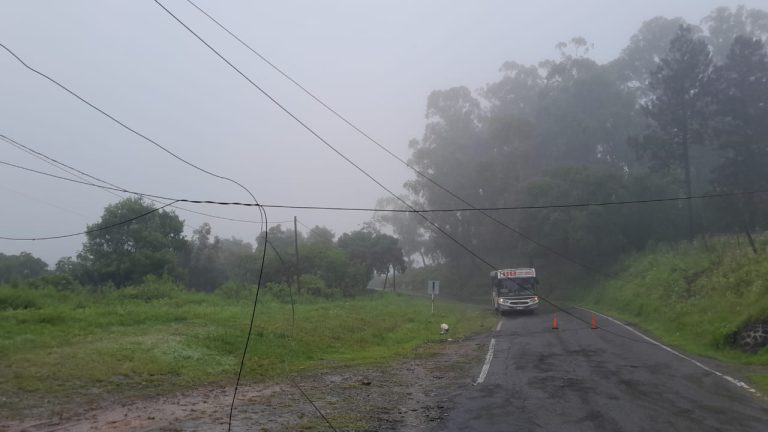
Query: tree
[[584, 115], [644, 52], [407, 227], [725, 24], [320, 235], [678, 109], [740, 90], [597, 234], [378, 252], [280, 265], [238, 260], [205, 272], [333, 266], [516, 93], [21, 267], [123, 254]]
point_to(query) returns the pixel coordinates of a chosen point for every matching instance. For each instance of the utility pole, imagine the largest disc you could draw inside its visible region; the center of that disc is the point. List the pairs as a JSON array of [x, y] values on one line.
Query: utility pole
[[394, 280], [296, 247]]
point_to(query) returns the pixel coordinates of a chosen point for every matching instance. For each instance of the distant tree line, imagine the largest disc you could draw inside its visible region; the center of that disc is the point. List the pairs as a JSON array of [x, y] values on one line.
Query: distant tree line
[[683, 110], [155, 246], [20, 267]]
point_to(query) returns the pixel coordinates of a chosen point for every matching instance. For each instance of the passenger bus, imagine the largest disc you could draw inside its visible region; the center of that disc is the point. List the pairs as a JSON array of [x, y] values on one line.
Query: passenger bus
[[514, 290]]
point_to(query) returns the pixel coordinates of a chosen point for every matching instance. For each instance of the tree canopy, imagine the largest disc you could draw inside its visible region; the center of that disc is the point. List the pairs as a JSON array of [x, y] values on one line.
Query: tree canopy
[[20, 267], [680, 111], [151, 244]]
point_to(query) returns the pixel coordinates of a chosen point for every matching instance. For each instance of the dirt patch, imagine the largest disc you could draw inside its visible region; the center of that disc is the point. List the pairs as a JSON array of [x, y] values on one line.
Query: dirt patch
[[407, 395]]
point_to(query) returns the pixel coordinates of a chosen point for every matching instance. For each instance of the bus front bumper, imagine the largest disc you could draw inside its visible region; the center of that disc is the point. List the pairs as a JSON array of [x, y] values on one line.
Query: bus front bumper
[[513, 304]]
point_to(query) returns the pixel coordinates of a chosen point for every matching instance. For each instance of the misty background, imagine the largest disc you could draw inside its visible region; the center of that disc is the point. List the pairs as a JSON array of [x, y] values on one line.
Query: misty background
[[375, 62]]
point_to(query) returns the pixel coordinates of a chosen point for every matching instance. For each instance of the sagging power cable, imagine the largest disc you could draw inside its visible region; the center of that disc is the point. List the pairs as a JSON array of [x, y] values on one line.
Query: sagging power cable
[[123, 222], [77, 173], [384, 148], [222, 177], [373, 209], [360, 169], [262, 211]]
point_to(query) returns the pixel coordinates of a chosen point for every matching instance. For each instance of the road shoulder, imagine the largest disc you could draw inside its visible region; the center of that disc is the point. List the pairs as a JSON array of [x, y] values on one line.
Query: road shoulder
[[409, 394]]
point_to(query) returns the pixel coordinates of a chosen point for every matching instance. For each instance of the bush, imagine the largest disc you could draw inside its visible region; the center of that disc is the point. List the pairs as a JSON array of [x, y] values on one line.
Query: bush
[[61, 283], [280, 292], [18, 299], [152, 289], [314, 286], [236, 290]]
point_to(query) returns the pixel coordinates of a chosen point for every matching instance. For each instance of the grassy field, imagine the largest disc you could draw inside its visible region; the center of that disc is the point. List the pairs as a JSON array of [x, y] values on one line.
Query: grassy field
[[156, 338], [692, 296]]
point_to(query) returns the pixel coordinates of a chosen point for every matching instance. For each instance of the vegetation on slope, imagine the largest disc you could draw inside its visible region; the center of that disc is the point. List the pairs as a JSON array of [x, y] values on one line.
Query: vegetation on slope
[[692, 295]]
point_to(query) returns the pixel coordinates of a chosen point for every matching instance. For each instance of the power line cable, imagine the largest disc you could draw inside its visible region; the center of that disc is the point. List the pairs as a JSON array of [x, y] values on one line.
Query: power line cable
[[262, 211], [208, 172], [347, 159], [81, 175], [302, 224], [522, 207], [373, 209], [385, 149], [327, 144], [56, 164], [126, 221], [66, 169], [317, 135], [263, 259], [429, 179], [146, 138], [124, 125], [34, 198]]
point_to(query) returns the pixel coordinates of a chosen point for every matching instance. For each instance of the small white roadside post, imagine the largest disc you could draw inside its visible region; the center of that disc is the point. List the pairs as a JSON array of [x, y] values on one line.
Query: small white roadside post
[[433, 289]]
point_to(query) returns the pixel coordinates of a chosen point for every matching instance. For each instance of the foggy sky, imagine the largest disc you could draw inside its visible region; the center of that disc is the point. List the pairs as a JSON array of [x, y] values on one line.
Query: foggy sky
[[374, 61]]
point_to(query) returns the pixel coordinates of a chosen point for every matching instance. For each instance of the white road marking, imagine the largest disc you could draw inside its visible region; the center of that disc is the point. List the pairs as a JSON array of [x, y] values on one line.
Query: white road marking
[[720, 374], [498, 326], [487, 364]]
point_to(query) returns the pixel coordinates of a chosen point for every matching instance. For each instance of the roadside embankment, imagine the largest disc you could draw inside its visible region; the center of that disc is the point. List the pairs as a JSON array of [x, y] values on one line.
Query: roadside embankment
[[696, 296]]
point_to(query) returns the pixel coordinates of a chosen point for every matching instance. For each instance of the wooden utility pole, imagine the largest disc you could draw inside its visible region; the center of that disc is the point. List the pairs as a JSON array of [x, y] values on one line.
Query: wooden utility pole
[[687, 171], [394, 279], [296, 247]]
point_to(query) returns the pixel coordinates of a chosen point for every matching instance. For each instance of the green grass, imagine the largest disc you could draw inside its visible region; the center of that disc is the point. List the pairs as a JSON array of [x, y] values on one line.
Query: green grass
[[148, 340], [760, 381], [692, 296]]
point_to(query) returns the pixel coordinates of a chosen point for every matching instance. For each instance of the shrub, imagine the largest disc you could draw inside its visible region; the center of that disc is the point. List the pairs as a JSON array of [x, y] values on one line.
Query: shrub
[[18, 299], [60, 282], [153, 288], [314, 286], [236, 290]]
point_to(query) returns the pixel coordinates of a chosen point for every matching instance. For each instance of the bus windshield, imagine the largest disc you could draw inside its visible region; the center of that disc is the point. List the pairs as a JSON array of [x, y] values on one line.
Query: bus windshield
[[515, 287]]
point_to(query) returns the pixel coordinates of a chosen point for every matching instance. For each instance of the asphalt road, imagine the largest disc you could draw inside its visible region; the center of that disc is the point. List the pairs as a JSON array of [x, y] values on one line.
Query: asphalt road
[[578, 379]]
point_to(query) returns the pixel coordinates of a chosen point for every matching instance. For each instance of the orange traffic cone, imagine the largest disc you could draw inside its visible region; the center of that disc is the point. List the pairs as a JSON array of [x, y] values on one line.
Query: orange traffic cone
[[594, 322], [554, 322]]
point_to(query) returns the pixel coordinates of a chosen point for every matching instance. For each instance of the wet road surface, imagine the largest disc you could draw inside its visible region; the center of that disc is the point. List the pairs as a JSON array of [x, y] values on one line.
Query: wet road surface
[[577, 379]]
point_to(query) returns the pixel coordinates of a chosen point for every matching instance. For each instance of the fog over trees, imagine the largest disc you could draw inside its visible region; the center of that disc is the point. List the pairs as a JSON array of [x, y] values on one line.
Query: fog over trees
[[681, 111], [677, 113]]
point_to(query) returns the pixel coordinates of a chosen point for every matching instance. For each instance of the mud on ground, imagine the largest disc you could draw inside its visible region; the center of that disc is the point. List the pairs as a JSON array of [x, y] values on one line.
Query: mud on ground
[[407, 395]]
